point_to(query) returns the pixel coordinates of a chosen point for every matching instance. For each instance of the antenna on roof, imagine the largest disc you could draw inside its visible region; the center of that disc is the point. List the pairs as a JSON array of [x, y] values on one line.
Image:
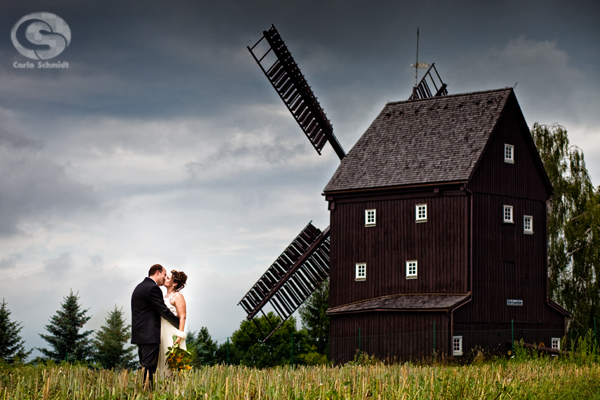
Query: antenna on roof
[[421, 90], [418, 65]]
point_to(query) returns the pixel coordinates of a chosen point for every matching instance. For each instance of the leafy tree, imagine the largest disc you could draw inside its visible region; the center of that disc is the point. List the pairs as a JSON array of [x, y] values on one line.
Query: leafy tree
[[315, 320], [247, 348], [573, 228], [202, 347], [64, 338], [110, 346], [11, 343]]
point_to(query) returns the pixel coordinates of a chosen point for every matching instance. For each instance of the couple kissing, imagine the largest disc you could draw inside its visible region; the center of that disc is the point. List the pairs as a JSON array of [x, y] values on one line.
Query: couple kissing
[[156, 318]]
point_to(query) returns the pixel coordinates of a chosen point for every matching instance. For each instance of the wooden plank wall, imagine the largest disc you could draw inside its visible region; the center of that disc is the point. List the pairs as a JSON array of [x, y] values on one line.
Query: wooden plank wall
[[508, 264], [389, 335], [524, 178], [440, 246]]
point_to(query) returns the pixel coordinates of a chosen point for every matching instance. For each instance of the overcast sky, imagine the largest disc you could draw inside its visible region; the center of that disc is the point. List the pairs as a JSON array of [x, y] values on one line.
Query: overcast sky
[[163, 142]]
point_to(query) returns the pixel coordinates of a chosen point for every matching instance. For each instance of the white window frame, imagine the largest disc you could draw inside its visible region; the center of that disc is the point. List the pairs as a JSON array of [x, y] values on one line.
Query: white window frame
[[370, 217], [509, 153], [421, 217], [360, 273], [508, 208], [555, 343], [528, 230], [412, 269], [457, 346]]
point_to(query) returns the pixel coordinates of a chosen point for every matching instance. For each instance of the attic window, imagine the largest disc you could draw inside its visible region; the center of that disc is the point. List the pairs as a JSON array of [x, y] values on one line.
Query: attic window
[[508, 214], [411, 269], [421, 212], [555, 343], [509, 153], [370, 217], [361, 272]]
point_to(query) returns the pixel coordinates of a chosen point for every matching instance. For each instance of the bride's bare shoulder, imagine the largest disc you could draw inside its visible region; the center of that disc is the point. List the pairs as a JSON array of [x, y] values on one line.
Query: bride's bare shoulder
[[178, 296]]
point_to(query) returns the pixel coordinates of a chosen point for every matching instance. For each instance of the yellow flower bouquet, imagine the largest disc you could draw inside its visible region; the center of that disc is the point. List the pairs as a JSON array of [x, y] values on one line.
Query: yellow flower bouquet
[[178, 359]]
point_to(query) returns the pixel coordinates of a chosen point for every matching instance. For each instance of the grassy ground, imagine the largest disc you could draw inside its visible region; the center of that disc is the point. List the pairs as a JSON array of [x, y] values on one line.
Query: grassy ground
[[531, 379]]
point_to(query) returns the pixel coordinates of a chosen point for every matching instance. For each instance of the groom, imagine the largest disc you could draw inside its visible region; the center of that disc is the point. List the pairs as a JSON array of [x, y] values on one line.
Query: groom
[[147, 306]]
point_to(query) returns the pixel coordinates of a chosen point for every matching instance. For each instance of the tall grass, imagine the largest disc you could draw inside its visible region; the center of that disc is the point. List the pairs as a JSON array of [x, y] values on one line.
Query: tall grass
[[539, 378]]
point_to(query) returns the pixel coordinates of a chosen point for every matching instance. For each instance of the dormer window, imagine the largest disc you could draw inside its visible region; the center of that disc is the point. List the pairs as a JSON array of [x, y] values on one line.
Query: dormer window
[[508, 214], [509, 153], [421, 212], [370, 217]]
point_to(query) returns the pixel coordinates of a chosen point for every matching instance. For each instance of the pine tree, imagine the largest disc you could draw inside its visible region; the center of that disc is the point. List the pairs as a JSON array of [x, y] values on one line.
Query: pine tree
[[573, 228], [203, 347], [315, 320], [110, 342], [64, 338], [11, 343]]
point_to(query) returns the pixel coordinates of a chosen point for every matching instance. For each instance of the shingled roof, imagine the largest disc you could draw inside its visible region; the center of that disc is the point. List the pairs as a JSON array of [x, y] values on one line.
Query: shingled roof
[[438, 139]]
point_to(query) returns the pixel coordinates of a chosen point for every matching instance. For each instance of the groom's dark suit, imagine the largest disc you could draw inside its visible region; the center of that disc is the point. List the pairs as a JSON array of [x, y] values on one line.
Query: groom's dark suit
[[147, 306]]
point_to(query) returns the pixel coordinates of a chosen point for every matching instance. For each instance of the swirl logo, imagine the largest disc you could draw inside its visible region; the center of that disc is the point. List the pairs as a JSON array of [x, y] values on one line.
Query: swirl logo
[[42, 29]]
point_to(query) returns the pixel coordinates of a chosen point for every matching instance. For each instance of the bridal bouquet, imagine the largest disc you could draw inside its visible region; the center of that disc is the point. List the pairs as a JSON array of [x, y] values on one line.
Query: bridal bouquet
[[178, 359]]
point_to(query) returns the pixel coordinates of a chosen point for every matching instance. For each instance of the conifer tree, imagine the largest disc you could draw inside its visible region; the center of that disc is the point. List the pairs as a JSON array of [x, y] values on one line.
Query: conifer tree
[[11, 343], [64, 337], [110, 345], [315, 320], [202, 347]]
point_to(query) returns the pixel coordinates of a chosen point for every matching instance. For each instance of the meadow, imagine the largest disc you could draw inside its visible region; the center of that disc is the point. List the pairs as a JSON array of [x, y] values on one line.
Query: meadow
[[535, 378]]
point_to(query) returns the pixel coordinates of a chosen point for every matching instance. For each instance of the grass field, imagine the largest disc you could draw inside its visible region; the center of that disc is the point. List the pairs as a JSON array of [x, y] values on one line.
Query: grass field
[[531, 379]]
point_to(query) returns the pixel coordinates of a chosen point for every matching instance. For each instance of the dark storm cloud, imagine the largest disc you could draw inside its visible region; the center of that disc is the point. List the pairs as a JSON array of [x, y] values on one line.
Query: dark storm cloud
[[188, 57], [33, 185]]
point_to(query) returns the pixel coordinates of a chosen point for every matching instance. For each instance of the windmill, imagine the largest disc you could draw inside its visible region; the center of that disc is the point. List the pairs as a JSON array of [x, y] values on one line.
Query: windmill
[[304, 264]]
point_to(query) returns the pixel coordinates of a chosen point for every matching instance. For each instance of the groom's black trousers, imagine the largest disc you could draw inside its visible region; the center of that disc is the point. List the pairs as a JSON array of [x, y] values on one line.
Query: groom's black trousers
[[148, 354]]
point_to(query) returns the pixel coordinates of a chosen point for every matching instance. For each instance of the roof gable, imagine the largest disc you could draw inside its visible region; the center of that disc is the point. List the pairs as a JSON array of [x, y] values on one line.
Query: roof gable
[[433, 140]]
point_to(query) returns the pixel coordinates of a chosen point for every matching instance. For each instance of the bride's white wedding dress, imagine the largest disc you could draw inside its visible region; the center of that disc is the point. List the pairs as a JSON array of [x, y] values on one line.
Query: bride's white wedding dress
[[166, 340]]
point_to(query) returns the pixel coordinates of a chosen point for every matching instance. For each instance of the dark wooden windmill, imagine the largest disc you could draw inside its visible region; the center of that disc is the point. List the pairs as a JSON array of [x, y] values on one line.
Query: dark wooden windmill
[[431, 244], [304, 264]]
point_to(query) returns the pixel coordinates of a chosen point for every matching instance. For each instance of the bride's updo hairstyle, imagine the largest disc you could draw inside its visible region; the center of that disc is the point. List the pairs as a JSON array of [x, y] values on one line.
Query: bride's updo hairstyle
[[179, 279]]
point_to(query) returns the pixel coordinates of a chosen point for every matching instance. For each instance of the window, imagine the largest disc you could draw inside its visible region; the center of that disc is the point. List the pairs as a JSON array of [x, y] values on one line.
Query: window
[[421, 212], [555, 343], [457, 346], [508, 214], [509, 153], [370, 218], [361, 272], [411, 269], [528, 224]]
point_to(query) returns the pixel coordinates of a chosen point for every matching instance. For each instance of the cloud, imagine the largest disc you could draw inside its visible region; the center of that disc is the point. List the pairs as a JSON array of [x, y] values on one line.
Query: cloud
[[35, 189]]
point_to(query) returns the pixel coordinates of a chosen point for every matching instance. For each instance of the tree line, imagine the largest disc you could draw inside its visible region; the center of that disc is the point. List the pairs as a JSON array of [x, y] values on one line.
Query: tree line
[[573, 271], [108, 348]]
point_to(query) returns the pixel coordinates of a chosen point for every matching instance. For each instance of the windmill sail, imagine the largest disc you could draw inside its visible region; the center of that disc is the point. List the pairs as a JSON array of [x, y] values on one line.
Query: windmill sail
[[423, 91], [292, 278], [285, 76]]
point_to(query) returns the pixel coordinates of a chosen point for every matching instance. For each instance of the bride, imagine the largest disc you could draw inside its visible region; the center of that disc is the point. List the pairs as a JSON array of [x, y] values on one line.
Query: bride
[[174, 282]]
